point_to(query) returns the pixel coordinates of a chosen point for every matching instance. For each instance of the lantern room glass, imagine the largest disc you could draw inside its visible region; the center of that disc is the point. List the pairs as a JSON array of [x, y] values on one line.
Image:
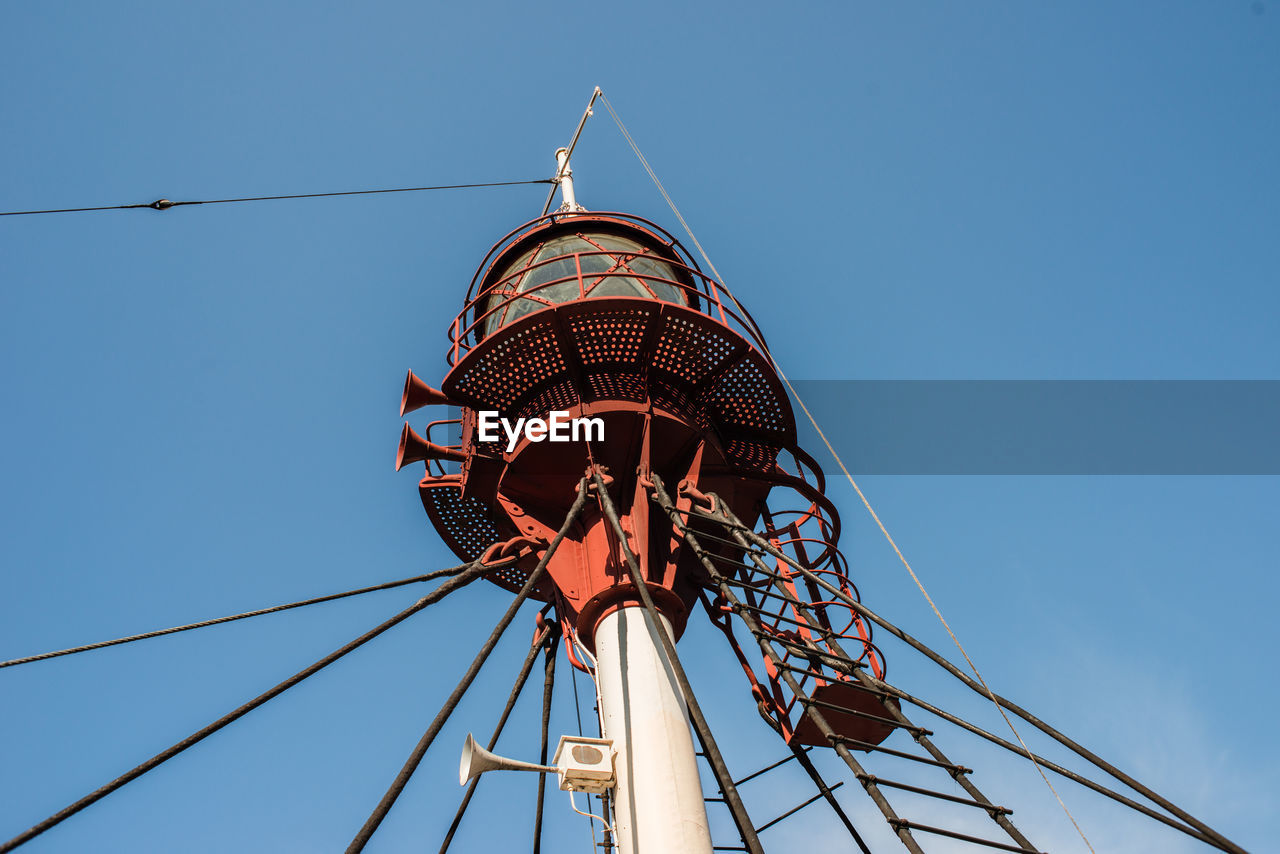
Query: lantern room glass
[[611, 266]]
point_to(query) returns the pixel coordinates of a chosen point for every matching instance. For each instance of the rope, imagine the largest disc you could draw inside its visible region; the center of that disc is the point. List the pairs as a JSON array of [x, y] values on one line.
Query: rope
[[384, 806], [219, 620], [543, 638], [473, 572], [866, 503], [805, 762], [548, 685], [165, 204]]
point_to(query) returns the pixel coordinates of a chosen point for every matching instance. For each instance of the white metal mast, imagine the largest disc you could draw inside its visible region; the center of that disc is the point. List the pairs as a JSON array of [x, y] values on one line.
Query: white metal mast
[[657, 802]]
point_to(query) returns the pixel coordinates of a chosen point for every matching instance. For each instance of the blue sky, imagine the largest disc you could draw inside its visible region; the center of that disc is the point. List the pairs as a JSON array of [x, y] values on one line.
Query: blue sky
[[201, 403]]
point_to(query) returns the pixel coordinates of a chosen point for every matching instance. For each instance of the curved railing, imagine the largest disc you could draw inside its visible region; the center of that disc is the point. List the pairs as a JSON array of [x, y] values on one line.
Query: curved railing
[[443, 423], [699, 292], [810, 533]]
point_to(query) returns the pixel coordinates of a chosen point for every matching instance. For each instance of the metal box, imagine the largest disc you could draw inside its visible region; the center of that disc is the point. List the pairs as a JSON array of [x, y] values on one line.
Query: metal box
[[584, 764]]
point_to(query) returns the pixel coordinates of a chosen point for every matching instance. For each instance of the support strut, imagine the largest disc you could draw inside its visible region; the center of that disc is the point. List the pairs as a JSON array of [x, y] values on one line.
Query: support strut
[[545, 638], [473, 572], [903, 833], [415, 758], [1193, 826], [656, 623]]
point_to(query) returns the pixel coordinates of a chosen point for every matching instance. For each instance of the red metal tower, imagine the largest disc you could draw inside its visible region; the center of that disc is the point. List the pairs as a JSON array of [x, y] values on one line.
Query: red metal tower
[[605, 316]]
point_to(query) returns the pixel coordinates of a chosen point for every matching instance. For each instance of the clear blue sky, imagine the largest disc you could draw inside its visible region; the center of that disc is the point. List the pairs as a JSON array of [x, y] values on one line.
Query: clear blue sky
[[200, 405]]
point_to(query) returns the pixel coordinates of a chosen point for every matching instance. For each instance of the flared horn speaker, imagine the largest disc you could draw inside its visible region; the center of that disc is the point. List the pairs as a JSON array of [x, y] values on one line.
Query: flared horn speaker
[[476, 760], [418, 394], [415, 449]]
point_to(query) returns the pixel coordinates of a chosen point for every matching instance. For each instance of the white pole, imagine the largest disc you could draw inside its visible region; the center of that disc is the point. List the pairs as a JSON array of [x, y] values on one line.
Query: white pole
[[565, 175], [658, 804]]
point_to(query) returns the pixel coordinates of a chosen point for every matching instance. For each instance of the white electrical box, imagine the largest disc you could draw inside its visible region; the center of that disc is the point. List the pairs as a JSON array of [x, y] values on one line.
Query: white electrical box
[[584, 764]]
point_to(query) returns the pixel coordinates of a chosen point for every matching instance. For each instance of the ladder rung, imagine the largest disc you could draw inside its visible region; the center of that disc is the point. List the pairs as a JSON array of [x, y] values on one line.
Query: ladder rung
[[759, 591], [911, 728], [797, 809], [769, 615], [924, 760], [805, 649], [991, 808], [835, 677], [903, 824], [750, 549], [752, 776]]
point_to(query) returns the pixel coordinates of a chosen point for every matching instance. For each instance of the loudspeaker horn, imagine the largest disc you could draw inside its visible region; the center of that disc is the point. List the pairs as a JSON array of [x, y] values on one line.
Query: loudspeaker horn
[[476, 760], [415, 449], [418, 394]]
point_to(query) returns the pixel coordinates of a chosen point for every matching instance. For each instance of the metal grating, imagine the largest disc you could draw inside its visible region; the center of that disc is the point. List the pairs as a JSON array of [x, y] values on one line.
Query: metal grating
[[463, 522], [752, 455], [466, 528], [561, 396], [743, 396], [492, 449], [612, 336], [673, 398], [516, 362], [618, 385], [691, 350], [632, 350]]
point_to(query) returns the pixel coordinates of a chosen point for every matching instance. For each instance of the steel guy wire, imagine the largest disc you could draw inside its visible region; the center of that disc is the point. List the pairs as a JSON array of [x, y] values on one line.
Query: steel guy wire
[[453, 570], [866, 503], [165, 204]]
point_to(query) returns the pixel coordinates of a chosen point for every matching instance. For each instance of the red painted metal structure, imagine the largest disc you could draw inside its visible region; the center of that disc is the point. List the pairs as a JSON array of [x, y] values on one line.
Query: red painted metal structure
[[604, 315]]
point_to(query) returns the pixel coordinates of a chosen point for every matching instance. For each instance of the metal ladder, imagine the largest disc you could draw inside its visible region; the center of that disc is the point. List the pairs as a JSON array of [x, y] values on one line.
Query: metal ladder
[[819, 645]]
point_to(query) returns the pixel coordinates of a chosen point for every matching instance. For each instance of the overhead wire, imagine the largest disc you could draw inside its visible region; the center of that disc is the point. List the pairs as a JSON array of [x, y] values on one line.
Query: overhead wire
[[473, 572], [836, 456], [165, 204], [453, 570]]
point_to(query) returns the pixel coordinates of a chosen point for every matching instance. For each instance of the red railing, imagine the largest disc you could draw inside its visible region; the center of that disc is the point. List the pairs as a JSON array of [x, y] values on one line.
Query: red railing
[[441, 471], [705, 295], [809, 533]]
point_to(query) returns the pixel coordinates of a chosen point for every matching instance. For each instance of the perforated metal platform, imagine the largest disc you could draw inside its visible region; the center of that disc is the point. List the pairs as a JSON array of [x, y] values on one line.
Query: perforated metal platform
[[615, 348], [631, 349], [468, 530]]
